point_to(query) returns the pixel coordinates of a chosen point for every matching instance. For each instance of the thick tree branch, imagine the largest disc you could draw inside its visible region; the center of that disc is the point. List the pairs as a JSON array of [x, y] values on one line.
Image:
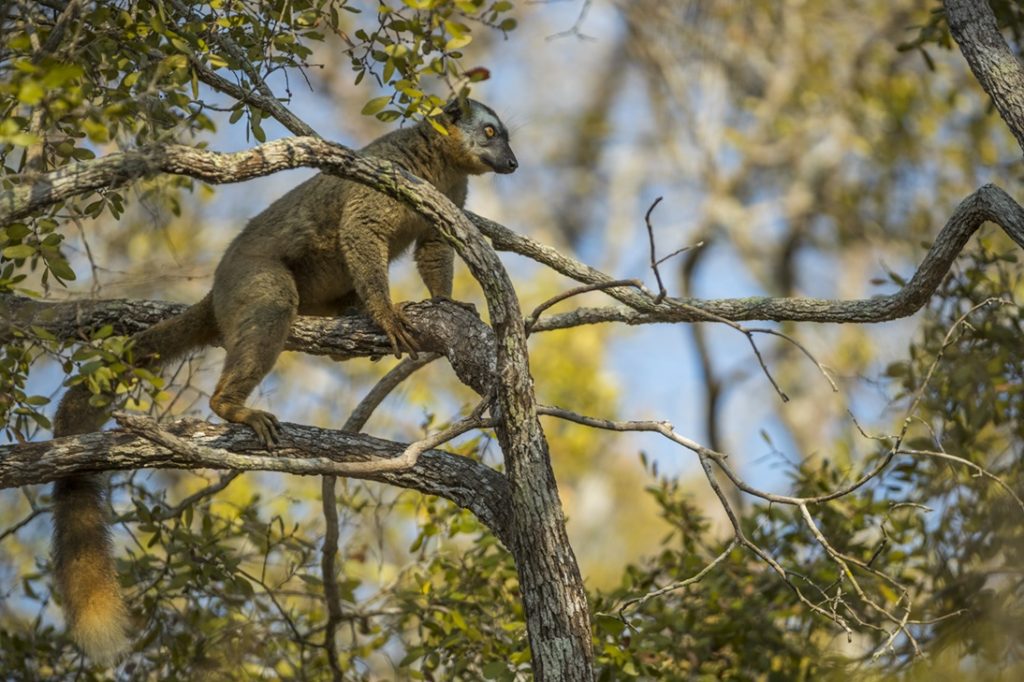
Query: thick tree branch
[[442, 326], [974, 28], [118, 169], [305, 450]]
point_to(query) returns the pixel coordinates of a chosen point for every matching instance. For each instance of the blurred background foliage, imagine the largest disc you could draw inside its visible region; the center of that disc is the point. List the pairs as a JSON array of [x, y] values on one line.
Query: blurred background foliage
[[814, 148]]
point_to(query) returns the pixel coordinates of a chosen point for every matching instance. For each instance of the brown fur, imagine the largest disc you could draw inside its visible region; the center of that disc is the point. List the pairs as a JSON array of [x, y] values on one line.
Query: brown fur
[[83, 565], [319, 249]]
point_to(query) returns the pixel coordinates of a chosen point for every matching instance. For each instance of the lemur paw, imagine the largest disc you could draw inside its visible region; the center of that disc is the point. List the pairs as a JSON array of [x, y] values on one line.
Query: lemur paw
[[266, 426], [400, 332]]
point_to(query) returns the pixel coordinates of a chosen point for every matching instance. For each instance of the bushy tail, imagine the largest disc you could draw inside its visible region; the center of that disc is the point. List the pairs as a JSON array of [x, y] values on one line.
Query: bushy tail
[[94, 607]]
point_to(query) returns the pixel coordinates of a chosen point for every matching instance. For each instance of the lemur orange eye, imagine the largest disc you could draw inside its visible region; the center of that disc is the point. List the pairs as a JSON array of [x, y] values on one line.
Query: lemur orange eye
[[489, 131]]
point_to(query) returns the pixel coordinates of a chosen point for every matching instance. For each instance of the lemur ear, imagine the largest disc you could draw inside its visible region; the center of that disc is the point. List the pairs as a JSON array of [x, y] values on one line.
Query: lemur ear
[[455, 109]]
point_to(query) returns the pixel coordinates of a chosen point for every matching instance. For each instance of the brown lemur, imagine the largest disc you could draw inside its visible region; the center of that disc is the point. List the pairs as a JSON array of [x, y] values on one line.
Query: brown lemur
[[321, 248]]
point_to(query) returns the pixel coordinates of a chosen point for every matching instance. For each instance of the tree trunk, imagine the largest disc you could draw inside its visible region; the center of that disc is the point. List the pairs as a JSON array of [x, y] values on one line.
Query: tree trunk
[[974, 28]]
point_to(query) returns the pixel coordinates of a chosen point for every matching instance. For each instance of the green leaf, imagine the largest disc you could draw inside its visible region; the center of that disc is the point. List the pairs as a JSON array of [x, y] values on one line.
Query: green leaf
[[17, 231], [495, 670], [242, 585], [44, 334], [437, 126], [375, 105], [60, 74], [257, 131], [103, 332], [19, 251], [43, 422], [90, 367], [59, 267]]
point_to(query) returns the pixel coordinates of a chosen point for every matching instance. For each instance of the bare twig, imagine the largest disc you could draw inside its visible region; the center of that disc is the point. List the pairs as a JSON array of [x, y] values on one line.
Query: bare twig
[[810, 356], [978, 470], [574, 30], [27, 519], [223, 482], [844, 562], [709, 475], [681, 249], [329, 552], [662, 293], [655, 261], [719, 459], [399, 373], [473, 421], [576, 291], [638, 602], [947, 341]]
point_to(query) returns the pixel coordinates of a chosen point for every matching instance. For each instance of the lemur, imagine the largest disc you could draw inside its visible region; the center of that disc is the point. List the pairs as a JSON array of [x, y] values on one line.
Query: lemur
[[318, 250]]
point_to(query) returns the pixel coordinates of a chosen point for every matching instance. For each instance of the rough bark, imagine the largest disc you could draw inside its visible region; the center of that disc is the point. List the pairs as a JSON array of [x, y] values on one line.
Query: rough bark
[[974, 28], [305, 450], [988, 203], [442, 327]]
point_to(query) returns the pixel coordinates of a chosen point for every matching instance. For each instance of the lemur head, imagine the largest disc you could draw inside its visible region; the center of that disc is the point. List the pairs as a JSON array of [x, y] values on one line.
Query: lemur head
[[482, 136]]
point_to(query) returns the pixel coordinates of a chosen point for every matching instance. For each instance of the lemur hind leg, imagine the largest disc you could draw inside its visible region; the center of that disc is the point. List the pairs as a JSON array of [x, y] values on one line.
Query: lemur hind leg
[[254, 314]]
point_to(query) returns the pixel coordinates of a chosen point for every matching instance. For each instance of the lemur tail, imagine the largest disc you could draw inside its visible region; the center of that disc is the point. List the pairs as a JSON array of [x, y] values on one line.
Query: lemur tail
[[94, 607]]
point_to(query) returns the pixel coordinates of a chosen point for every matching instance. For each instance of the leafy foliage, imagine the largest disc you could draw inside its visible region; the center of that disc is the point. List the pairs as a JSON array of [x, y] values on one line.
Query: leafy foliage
[[227, 583], [1009, 16]]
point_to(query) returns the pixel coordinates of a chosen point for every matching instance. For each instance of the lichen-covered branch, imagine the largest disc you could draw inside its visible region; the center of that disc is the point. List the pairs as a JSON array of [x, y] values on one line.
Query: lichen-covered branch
[[442, 326], [988, 203], [118, 169], [974, 28], [305, 450]]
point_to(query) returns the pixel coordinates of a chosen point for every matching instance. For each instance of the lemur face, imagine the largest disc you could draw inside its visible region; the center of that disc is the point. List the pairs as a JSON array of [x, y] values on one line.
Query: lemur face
[[483, 135]]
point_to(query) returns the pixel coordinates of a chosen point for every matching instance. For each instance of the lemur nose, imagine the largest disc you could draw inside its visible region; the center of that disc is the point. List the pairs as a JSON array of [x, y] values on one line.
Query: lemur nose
[[513, 164]]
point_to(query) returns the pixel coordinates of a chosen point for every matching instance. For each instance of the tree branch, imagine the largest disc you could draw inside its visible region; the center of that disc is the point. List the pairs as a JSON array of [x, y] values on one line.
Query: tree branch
[[305, 450], [974, 28], [988, 203], [442, 326], [118, 169]]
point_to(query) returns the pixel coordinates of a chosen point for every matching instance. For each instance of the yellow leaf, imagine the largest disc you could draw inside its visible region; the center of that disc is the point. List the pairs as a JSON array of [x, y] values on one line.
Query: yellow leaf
[[31, 93]]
